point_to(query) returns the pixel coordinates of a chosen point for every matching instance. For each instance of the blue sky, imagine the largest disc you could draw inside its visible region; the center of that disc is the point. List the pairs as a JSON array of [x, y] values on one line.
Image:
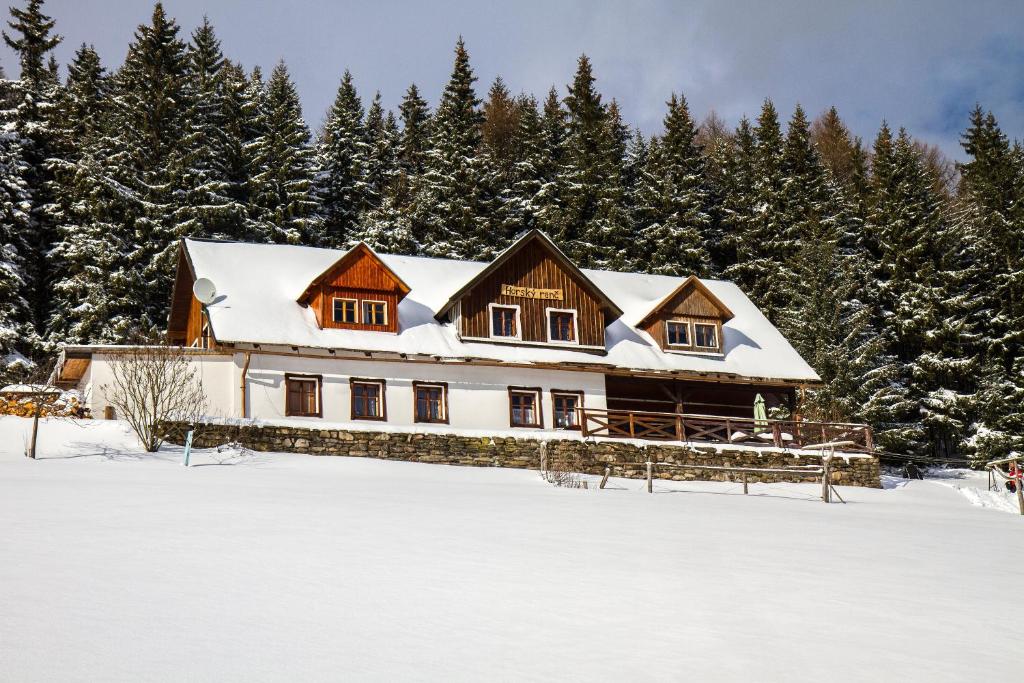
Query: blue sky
[[922, 64]]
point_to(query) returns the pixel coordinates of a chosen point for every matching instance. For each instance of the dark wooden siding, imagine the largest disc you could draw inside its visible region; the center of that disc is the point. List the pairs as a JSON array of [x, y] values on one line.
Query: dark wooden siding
[[362, 279], [533, 266], [690, 305]]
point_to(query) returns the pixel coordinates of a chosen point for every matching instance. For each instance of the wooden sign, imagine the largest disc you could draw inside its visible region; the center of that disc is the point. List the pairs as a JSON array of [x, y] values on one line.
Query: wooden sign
[[531, 293]]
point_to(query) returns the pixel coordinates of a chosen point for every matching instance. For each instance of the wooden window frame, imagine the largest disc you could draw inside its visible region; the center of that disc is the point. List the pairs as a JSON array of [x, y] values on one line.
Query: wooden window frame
[[289, 377], [554, 412], [382, 398], [538, 394], [416, 385], [575, 326], [334, 318], [362, 309], [714, 328], [689, 334], [518, 336]]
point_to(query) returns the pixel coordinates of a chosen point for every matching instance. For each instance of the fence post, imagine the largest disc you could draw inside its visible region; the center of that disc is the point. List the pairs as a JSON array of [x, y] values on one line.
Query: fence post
[[632, 428], [744, 482], [869, 438], [604, 479], [777, 434], [679, 428], [650, 477], [825, 461], [583, 422], [1020, 489]]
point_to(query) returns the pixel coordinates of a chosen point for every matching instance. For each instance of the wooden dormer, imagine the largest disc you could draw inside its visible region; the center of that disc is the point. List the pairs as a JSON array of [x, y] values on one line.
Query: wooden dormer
[[358, 292], [688, 320], [532, 294]]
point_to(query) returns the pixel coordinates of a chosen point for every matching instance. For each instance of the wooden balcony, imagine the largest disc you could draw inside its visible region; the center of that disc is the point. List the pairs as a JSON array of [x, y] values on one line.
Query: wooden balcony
[[729, 430]]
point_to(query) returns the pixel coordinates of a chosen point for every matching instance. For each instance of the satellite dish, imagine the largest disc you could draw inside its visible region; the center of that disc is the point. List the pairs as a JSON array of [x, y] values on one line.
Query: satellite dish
[[204, 290]]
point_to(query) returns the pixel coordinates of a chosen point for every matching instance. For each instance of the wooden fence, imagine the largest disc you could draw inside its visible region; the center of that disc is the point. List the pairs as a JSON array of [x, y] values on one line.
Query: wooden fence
[[713, 428]]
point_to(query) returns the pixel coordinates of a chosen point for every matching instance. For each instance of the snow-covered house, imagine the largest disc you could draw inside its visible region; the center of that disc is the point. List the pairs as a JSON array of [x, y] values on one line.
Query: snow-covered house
[[526, 342]]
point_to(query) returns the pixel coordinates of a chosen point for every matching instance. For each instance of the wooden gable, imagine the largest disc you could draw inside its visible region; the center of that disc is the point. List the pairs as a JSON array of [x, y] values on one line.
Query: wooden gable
[[534, 276], [358, 276], [691, 303], [182, 300]]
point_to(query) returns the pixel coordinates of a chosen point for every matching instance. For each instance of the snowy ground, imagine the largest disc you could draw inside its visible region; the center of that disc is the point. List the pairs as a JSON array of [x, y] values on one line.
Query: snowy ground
[[121, 566]]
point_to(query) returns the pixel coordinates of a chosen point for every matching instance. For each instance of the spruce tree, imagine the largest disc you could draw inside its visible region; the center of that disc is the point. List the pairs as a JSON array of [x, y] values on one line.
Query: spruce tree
[[206, 202], [382, 154], [591, 192], [447, 215], [415, 115], [342, 158], [762, 270], [77, 256], [283, 167], [676, 240], [16, 329], [547, 202], [923, 317], [236, 137], [992, 186], [31, 37], [738, 200]]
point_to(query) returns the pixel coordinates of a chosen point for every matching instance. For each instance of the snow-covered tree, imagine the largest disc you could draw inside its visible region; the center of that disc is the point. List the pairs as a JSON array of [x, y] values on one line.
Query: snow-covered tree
[[341, 157], [281, 184], [676, 238], [447, 215], [205, 199]]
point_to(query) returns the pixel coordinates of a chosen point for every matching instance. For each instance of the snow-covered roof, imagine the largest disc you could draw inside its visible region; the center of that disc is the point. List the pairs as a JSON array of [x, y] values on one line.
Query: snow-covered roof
[[258, 284]]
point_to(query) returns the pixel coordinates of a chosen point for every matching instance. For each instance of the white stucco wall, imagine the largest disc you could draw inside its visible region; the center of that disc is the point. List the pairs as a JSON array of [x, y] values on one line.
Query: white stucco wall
[[218, 373], [477, 395]]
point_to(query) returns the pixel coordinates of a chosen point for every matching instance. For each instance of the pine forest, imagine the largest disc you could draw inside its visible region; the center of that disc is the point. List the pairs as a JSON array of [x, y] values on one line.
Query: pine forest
[[897, 274]]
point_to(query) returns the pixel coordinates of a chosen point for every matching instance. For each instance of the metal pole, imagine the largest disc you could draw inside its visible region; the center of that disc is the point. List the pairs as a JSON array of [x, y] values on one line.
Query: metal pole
[[188, 447]]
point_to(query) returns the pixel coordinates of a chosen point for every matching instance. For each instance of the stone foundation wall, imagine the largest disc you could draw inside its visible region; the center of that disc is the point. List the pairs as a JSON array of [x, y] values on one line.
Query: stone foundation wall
[[625, 459]]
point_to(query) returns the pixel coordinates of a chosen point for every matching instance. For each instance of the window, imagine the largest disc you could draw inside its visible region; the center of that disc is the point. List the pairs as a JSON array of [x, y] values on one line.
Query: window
[[524, 407], [678, 333], [345, 311], [504, 321], [368, 399], [431, 402], [375, 313], [705, 335], [561, 326], [302, 396], [565, 404]]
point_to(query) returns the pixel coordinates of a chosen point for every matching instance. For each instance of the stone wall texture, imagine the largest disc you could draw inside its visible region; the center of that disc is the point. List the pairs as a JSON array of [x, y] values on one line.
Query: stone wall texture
[[626, 459]]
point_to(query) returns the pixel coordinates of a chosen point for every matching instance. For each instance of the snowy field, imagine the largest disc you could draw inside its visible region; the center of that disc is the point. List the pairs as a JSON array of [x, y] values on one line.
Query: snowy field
[[116, 565]]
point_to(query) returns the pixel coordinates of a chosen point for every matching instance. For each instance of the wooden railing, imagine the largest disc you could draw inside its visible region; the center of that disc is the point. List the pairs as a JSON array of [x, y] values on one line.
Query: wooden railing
[[716, 429]]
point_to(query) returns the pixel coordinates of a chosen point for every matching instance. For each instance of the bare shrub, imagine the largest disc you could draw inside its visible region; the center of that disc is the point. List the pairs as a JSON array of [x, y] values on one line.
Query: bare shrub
[[562, 471], [154, 385]]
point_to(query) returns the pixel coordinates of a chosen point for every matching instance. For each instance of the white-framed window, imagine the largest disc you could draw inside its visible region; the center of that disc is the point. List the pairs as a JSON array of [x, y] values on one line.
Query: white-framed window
[[524, 407], [375, 312], [563, 327], [505, 321], [705, 336], [677, 333], [345, 310]]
